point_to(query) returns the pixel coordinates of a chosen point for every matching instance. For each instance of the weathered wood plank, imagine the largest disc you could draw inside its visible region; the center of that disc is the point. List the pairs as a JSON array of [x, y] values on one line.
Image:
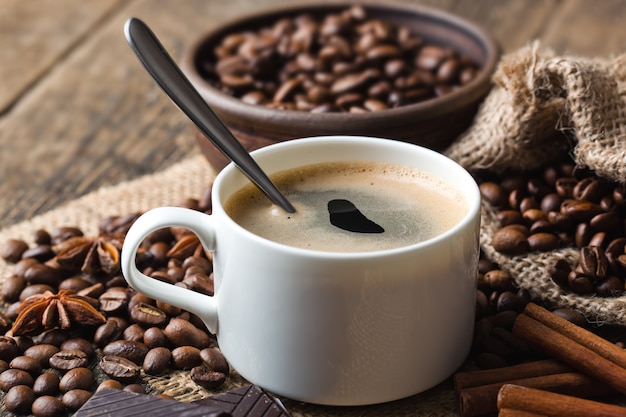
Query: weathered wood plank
[[34, 35], [585, 28]]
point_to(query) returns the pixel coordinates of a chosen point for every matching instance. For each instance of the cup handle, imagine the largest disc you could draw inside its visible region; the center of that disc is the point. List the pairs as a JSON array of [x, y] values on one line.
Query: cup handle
[[202, 225]]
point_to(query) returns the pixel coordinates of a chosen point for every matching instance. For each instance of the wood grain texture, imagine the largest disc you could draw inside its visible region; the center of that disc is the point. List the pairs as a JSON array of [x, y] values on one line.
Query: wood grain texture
[[31, 41], [80, 112]]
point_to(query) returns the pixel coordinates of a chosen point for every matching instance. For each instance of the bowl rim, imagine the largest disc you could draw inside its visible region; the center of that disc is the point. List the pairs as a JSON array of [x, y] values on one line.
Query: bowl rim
[[246, 113]]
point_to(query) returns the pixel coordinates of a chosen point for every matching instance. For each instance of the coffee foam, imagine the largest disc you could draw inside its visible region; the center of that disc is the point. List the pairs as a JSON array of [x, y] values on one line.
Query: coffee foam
[[410, 204]]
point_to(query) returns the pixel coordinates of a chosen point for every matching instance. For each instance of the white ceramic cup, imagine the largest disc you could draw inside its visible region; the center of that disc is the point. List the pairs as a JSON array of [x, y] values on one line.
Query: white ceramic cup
[[330, 328]]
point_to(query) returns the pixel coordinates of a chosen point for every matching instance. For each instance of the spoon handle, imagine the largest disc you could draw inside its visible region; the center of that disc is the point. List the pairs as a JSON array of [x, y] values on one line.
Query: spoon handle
[[180, 90]]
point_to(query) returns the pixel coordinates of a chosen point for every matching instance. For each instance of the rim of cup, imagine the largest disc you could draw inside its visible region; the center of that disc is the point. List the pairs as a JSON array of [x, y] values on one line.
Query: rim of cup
[[464, 183]]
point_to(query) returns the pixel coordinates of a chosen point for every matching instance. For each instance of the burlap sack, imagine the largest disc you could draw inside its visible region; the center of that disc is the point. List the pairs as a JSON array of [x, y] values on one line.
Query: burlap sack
[[541, 106]]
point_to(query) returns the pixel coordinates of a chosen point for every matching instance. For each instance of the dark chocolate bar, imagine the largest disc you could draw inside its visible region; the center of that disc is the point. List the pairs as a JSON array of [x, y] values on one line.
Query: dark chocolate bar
[[114, 403], [247, 401]]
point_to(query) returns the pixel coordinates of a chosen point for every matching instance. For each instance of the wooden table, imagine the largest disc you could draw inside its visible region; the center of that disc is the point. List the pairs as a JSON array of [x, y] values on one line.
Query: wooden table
[[78, 111]]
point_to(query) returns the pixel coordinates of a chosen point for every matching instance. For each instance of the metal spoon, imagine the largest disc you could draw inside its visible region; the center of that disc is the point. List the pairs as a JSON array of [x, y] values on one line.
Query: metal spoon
[[171, 79]]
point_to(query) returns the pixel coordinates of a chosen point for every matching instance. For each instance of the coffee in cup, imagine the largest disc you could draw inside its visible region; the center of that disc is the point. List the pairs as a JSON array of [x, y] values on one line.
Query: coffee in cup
[[351, 206]]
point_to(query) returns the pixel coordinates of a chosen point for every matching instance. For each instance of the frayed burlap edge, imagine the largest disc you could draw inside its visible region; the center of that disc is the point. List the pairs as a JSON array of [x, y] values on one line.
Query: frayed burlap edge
[[543, 106], [170, 187]]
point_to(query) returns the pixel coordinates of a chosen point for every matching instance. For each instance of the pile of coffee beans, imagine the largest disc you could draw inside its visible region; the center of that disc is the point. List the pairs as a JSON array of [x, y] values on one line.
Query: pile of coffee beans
[[339, 62], [56, 371], [564, 206]]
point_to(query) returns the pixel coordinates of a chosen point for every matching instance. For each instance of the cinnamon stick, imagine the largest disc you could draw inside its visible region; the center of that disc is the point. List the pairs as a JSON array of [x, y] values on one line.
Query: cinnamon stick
[[581, 336], [469, 379], [482, 400], [575, 346], [537, 401]]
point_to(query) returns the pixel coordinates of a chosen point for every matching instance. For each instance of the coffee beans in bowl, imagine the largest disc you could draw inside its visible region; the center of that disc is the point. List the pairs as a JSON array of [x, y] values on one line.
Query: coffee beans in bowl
[[395, 71]]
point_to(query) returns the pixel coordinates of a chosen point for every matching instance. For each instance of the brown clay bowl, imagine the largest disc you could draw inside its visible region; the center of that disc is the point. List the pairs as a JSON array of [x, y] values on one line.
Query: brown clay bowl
[[433, 123]]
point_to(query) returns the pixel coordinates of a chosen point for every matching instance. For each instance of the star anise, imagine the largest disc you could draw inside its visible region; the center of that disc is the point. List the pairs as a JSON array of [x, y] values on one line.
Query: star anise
[[93, 256], [104, 255], [45, 311]]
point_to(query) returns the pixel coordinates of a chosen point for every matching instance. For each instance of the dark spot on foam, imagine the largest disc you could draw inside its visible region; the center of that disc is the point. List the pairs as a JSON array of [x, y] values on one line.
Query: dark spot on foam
[[345, 215]]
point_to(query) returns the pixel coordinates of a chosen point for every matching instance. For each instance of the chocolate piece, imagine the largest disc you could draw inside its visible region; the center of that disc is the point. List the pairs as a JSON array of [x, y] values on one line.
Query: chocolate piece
[[248, 401], [112, 403]]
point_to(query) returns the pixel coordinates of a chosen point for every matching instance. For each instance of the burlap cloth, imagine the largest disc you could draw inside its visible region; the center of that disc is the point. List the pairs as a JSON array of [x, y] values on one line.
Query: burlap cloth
[[541, 107], [170, 187]]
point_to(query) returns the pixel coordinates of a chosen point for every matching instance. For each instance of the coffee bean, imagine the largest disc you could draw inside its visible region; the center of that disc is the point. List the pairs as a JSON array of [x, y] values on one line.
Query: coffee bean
[[47, 406], [65, 360], [11, 250], [3, 366], [499, 280], [213, 359], [169, 309], [12, 287], [77, 378], [79, 344], [41, 352], [482, 304], [33, 289], [551, 202], [43, 274], [154, 337], [136, 388], [157, 360], [46, 384], [13, 377], [198, 261], [26, 363], [114, 300], [110, 384], [62, 233], [54, 337], [107, 332], [42, 237], [134, 333], [542, 242], [22, 266], [75, 399], [579, 283], [559, 272], [139, 298], [580, 210], [510, 241], [41, 253], [74, 284], [207, 378], [606, 222], [200, 282], [133, 351], [120, 368], [186, 357], [8, 348], [148, 315], [181, 332], [93, 291], [19, 399], [600, 239], [510, 301], [610, 287]]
